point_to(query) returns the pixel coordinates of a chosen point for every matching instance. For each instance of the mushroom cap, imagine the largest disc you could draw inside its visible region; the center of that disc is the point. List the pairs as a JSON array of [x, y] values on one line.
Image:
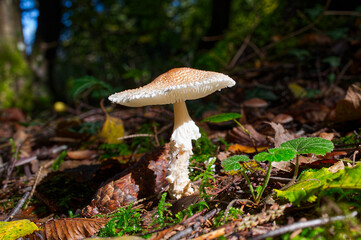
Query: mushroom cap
[[178, 84], [255, 103], [282, 118]]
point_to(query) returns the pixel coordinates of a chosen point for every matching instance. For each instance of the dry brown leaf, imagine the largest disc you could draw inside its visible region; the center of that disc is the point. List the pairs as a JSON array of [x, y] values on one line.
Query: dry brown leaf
[[69, 228], [349, 109], [281, 134], [237, 135], [336, 167], [353, 95], [81, 154], [327, 136]]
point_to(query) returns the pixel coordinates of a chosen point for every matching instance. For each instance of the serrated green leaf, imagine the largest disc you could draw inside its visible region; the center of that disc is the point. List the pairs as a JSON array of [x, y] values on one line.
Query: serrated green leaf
[[314, 145], [313, 181], [224, 117], [232, 163], [276, 155]]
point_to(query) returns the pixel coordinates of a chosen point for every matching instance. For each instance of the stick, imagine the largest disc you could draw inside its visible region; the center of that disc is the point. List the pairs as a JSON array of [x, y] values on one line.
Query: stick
[[17, 207], [301, 225]]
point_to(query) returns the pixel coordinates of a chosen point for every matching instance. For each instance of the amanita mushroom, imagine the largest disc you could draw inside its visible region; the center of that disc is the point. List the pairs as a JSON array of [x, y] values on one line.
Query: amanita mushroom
[[175, 87]]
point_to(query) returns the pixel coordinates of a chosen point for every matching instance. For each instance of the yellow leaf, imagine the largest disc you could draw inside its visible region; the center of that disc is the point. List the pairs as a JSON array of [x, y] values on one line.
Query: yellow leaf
[[16, 229], [297, 90], [112, 130], [237, 148]]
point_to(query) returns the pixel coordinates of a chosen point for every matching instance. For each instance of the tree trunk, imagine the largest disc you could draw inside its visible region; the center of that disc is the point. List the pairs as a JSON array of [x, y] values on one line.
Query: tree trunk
[[46, 44], [10, 20], [219, 23]]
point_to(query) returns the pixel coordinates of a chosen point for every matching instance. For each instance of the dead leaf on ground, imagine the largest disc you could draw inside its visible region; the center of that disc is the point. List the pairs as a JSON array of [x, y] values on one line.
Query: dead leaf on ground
[[349, 109], [353, 95], [112, 130], [81, 154], [69, 228], [237, 135], [281, 134], [237, 148]]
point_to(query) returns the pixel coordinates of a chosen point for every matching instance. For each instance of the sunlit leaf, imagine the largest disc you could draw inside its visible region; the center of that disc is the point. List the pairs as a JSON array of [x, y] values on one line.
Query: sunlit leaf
[[244, 149], [312, 182], [232, 163], [314, 145], [222, 117], [297, 90], [112, 130], [16, 229], [276, 155]]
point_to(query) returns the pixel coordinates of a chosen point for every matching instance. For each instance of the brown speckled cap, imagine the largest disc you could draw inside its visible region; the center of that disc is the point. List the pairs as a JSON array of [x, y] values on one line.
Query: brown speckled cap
[[178, 84]]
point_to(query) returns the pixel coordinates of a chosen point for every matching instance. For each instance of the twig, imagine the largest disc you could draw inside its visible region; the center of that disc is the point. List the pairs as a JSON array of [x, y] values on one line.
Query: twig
[[240, 51], [200, 221], [136, 135], [343, 71], [17, 207], [302, 225], [14, 159], [34, 186], [342, 13]]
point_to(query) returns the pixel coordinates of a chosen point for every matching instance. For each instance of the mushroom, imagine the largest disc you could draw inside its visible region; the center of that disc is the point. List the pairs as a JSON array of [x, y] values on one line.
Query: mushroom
[[282, 118], [175, 87]]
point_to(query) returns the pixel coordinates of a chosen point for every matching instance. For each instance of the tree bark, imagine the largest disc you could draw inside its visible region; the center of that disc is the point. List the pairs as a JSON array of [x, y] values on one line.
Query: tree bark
[[10, 20]]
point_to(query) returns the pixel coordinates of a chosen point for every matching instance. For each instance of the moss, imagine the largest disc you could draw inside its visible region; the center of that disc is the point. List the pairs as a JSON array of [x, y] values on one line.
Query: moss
[[15, 78]]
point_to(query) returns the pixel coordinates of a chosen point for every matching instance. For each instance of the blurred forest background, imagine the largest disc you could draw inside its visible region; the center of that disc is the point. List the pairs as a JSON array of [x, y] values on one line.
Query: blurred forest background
[[64, 50]]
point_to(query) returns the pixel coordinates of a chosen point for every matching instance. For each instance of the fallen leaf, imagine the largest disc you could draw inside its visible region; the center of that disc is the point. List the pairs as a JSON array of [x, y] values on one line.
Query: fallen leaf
[[112, 130], [16, 229], [237, 135], [70, 228], [297, 90], [337, 167], [353, 95], [281, 134], [81, 154], [328, 136], [237, 148], [349, 109]]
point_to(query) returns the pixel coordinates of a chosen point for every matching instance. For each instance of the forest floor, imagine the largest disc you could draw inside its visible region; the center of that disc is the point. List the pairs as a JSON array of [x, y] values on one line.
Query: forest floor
[[287, 168], [52, 170]]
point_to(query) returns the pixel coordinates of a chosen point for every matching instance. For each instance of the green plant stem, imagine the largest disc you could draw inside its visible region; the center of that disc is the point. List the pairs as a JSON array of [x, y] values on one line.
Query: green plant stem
[[248, 133], [293, 180], [249, 183], [266, 180]]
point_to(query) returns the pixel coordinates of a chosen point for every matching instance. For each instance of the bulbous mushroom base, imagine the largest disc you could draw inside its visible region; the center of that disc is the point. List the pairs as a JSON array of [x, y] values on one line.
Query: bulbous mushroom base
[[180, 151], [179, 182]]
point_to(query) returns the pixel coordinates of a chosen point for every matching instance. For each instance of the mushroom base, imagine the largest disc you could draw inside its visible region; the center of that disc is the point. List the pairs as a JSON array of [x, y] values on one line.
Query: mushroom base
[[179, 182], [179, 153]]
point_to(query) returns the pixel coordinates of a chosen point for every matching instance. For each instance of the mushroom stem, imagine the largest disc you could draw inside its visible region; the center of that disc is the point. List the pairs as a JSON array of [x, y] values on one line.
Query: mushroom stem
[[181, 114], [180, 151]]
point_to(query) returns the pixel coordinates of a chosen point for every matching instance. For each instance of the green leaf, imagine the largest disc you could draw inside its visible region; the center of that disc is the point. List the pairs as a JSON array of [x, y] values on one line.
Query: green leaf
[[314, 145], [312, 182], [276, 155], [232, 163], [88, 83], [224, 117]]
